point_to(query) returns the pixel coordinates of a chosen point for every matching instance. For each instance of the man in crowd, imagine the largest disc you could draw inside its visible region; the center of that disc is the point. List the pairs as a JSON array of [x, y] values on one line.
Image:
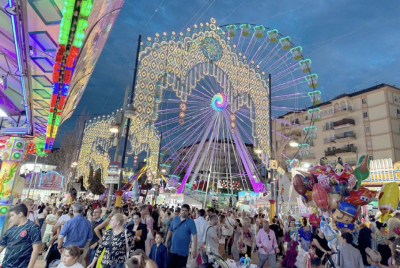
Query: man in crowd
[[227, 231], [210, 212], [94, 243], [201, 226], [180, 229], [350, 257], [393, 223], [212, 237], [266, 243], [76, 232], [22, 241]]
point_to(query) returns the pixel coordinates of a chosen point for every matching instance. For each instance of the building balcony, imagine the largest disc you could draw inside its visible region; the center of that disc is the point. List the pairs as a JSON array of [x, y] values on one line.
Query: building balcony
[[330, 153], [295, 133], [329, 140], [343, 123], [346, 151], [311, 156], [346, 137], [342, 110]]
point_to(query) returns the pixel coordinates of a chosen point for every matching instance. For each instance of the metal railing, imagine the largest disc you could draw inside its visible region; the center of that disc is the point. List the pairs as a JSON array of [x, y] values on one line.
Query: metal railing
[[347, 149], [346, 135], [345, 121], [344, 109]]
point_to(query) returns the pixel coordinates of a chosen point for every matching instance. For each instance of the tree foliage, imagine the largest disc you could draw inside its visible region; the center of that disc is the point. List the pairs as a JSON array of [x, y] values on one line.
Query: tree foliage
[[69, 152], [95, 184]]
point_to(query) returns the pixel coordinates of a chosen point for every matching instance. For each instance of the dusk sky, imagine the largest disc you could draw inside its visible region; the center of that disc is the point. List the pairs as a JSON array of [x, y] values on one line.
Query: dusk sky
[[352, 44]]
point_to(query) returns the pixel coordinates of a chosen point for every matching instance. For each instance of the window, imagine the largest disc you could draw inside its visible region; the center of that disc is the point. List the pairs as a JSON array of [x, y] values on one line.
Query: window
[[364, 100], [365, 114], [396, 99], [330, 111], [366, 129], [371, 157], [398, 111], [369, 143], [306, 117], [325, 112]]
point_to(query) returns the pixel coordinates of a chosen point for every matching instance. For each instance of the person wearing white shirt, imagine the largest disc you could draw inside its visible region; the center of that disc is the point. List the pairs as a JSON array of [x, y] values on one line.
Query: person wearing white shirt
[[51, 219], [201, 227], [32, 212], [227, 231]]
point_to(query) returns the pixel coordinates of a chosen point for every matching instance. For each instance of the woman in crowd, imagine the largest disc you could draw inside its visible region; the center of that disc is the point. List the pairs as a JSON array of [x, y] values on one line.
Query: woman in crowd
[[32, 214], [372, 226], [167, 221], [247, 238], [105, 224], [117, 243], [382, 241], [321, 244], [305, 235], [364, 241], [139, 231], [291, 231], [41, 214], [237, 231]]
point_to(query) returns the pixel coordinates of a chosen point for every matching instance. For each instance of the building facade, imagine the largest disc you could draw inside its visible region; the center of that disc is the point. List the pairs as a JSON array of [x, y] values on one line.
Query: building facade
[[348, 126]]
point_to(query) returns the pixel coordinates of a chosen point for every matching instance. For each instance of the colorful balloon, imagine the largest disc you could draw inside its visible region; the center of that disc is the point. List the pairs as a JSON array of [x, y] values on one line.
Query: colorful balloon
[[362, 169], [345, 213], [298, 184], [307, 198], [320, 197], [294, 163], [309, 183], [388, 198], [361, 197], [334, 197], [344, 187]]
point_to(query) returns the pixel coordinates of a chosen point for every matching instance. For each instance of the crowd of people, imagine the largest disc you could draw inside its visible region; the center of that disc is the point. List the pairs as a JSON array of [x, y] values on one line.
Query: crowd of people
[[89, 234]]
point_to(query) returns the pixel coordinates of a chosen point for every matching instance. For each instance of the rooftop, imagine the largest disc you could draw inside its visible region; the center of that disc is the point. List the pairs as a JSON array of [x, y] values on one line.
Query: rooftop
[[366, 90]]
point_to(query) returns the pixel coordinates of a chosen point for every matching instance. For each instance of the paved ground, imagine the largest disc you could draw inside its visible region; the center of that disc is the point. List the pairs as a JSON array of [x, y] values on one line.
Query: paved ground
[[254, 259]]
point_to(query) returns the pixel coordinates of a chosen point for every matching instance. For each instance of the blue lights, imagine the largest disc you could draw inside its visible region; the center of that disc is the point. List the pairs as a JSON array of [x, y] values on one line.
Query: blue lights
[[17, 52]]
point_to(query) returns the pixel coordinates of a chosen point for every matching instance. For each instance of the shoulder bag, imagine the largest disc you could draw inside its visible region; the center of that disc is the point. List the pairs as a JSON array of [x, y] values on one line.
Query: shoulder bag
[[126, 244]]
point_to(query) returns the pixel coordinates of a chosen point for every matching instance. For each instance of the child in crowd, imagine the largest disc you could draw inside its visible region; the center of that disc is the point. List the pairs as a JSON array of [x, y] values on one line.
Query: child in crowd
[[373, 258], [308, 256], [158, 252], [316, 262], [70, 258]]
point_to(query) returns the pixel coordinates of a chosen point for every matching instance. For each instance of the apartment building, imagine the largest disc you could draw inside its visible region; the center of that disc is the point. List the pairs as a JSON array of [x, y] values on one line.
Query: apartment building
[[348, 126]]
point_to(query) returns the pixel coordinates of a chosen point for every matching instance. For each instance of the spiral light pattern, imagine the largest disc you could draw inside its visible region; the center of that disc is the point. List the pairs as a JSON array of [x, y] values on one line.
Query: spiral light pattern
[[219, 102]]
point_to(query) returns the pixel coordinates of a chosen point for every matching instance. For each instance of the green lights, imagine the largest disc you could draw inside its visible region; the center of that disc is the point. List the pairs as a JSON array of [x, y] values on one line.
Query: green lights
[[3, 210], [86, 8], [40, 148], [57, 121]]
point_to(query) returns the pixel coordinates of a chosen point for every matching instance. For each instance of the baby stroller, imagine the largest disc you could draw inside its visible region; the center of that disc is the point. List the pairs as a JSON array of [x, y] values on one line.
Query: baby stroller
[[52, 255], [211, 259]]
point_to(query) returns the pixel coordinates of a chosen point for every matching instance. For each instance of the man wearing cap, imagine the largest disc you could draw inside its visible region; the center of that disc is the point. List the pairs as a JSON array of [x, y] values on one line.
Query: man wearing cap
[[393, 223], [373, 258]]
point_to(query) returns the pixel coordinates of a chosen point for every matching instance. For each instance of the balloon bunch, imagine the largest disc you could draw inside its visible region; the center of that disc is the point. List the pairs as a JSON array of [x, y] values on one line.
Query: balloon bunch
[[338, 193]]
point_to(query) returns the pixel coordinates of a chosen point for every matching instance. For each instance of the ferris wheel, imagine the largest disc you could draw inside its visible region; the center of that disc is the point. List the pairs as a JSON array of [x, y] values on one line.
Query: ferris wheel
[[208, 91]]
